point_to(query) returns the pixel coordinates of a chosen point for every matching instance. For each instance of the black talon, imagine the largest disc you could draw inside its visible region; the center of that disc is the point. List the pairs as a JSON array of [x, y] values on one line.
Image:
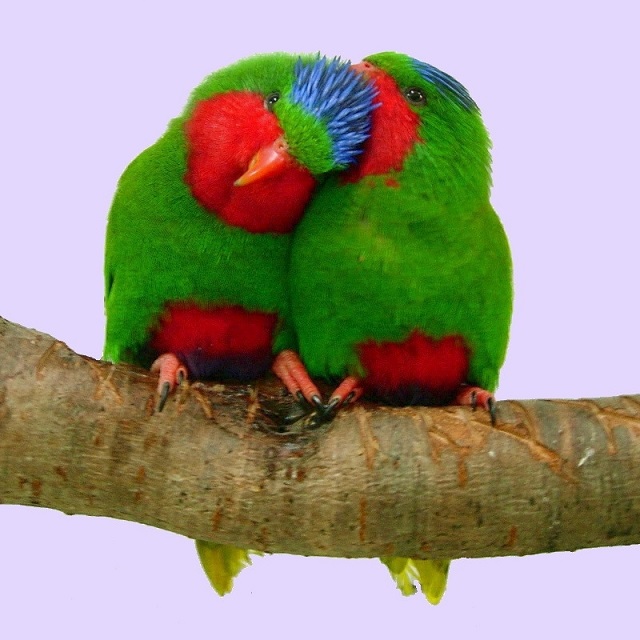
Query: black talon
[[330, 409], [474, 400], [298, 411], [324, 413], [181, 377], [492, 410], [316, 420], [316, 400], [164, 394], [311, 411], [284, 413]]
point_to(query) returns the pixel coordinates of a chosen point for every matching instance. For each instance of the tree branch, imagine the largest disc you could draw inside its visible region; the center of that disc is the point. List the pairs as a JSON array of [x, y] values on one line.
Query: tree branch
[[82, 436]]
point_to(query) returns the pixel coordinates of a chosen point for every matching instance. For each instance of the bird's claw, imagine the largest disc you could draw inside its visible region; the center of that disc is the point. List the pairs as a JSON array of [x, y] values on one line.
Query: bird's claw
[[300, 409], [290, 369], [491, 406], [476, 396], [171, 372], [163, 395], [293, 374], [324, 413], [327, 412], [347, 392], [314, 410]]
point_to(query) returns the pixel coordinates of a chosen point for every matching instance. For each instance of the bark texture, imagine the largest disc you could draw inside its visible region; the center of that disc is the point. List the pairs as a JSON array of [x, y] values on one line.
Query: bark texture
[[82, 436]]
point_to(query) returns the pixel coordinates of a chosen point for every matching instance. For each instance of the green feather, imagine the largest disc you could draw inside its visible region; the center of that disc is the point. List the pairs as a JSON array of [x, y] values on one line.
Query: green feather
[[431, 575], [222, 563], [163, 246], [419, 248], [430, 253]]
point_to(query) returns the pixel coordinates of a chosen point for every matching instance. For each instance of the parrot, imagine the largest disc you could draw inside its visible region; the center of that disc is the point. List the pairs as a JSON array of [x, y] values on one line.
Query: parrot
[[198, 234], [413, 264]]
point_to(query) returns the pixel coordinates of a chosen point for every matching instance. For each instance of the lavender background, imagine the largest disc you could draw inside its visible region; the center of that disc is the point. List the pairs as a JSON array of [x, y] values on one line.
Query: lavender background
[[87, 87]]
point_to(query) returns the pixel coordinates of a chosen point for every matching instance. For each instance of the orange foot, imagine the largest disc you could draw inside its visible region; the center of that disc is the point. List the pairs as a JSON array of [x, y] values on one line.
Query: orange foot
[[477, 396], [348, 391], [172, 372], [289, 368]]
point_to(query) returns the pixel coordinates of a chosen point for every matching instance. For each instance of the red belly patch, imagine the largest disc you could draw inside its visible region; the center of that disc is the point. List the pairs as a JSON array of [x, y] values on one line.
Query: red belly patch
[[217, 342], [418, 370]]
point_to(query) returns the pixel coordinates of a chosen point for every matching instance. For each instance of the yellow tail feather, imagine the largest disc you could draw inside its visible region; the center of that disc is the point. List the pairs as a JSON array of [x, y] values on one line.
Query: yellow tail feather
[[222, 563], [430, 574]]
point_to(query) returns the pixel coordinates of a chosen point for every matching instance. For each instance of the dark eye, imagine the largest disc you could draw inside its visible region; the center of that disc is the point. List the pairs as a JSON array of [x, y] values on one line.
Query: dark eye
[[415, 96], [271, 99]]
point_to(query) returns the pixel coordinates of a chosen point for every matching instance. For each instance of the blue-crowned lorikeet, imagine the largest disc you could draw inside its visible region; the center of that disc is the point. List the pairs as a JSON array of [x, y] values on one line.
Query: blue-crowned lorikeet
[[401, 277], [198, 237]]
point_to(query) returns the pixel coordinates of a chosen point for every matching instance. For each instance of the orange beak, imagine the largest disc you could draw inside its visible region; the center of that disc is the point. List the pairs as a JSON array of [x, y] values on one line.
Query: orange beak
[[269, 161]]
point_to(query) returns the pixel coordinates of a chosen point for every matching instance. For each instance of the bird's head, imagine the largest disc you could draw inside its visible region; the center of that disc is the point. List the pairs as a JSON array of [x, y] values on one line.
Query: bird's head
[[426, 123], [259, 132]]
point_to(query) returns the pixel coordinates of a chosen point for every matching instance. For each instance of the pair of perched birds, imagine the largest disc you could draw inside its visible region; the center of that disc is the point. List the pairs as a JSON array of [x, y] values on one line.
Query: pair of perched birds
[[323, 220]]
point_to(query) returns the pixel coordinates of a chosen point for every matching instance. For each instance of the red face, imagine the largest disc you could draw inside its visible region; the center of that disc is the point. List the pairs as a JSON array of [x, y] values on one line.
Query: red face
[[223, 134], [394, 128]]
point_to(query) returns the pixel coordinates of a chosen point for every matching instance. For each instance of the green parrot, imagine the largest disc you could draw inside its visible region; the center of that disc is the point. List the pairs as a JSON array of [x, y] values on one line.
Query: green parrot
[[198, 236], [412, 262]]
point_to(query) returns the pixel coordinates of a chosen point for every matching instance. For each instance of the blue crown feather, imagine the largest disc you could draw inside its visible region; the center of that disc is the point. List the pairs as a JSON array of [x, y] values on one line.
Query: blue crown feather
[[445, 84], [334, 93]]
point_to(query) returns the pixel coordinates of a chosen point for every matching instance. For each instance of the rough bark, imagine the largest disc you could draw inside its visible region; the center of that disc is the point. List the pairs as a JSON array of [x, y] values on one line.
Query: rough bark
[[82, 436]]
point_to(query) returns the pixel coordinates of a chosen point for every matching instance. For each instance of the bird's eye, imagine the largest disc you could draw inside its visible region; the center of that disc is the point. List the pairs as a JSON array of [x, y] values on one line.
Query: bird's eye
[[415, 96], [271, 99]]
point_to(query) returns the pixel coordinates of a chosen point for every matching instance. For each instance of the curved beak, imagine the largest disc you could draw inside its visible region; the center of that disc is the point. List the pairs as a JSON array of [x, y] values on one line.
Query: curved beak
[[269, 161]]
